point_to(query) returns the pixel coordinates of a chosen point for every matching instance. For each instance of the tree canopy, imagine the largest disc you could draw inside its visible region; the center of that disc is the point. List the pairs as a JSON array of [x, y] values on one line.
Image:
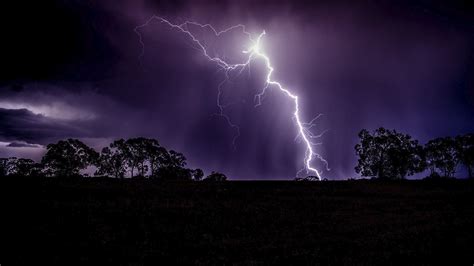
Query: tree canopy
[[134, 157], [382, 154], [465, 152], [68, 157], [388, 154], [216, 177], [441, 155]]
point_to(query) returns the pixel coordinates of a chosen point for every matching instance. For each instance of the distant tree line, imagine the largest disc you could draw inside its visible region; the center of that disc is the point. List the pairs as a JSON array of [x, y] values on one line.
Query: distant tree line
[[388, 154], [134, 157]]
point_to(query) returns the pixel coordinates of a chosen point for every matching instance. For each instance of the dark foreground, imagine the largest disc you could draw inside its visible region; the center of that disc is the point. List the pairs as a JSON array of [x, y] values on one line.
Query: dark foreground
[[136, 222]]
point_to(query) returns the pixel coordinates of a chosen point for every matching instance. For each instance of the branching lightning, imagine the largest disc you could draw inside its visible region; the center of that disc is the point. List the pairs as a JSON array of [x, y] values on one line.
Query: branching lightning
[[254, 52]]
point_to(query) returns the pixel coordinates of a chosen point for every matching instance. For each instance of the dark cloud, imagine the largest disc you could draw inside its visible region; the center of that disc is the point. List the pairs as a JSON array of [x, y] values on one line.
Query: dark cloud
[[54, 40], [17, 144], [24, 125]]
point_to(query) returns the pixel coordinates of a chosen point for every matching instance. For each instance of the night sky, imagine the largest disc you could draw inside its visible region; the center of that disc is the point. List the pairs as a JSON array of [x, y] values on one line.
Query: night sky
[[73, 69]]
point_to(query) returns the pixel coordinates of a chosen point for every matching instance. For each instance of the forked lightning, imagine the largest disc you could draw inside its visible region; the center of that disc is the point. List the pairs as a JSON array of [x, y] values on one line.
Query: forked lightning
[[254, 52]]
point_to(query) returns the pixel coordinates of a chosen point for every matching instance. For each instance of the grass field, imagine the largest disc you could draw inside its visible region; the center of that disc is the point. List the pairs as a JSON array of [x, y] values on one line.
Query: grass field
[[137, 222]]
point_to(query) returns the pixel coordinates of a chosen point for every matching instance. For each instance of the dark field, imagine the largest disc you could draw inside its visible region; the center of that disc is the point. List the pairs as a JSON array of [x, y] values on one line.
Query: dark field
[[136, 222]]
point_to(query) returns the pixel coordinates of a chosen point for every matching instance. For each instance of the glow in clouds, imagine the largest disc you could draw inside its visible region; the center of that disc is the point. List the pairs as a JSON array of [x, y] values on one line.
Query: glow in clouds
[[255, 52], [55, 110]]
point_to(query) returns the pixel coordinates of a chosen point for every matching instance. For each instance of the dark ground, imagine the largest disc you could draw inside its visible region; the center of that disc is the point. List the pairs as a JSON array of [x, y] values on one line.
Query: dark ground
[[136, 222]]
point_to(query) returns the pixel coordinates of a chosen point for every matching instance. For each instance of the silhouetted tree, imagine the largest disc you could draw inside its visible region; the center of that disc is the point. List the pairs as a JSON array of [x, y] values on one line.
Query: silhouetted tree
[[176, 159], [465, 152], [24, 167], [197, 174], [3, 166], [174, 167], [68, 157], [142, 154], [157, 155], [441, 154], [216, 177], [387, 154], [136, 155], [111, 162], [130, 151]]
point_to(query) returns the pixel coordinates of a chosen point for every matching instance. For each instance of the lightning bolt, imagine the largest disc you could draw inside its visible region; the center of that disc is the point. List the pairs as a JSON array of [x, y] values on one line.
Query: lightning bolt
[[254, 52]]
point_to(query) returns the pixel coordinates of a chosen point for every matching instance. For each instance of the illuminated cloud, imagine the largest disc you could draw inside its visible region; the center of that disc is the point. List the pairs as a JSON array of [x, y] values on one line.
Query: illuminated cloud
[[22, 144], [56, 110]]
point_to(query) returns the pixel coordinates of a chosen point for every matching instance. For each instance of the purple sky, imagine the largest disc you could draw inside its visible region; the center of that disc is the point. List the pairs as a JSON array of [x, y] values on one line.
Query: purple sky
[[72, 69]]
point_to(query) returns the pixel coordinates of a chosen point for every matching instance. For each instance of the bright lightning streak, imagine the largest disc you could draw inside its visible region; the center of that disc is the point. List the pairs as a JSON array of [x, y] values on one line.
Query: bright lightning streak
[[254, 52]]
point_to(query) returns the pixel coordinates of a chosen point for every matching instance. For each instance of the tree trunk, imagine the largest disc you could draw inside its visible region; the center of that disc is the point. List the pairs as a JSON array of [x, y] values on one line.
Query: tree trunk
[[381, 173], [142, 170], [153, 171]]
